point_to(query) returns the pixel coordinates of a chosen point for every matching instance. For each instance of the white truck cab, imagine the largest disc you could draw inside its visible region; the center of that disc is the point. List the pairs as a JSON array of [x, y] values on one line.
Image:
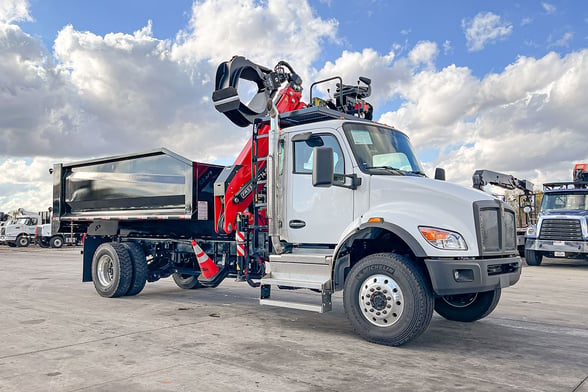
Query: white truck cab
[[20, 230], [357, 213]]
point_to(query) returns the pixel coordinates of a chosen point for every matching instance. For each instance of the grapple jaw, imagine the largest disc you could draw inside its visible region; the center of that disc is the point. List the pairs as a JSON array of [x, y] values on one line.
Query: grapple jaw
[[226, 96]]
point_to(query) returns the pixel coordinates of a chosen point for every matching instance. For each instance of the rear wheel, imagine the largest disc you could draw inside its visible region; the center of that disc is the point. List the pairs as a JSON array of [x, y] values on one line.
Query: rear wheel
[[188, 282], [467, 307], [139, 262], [112, 270], [533, 257], [387, 299], [22, 241], [56, 242]]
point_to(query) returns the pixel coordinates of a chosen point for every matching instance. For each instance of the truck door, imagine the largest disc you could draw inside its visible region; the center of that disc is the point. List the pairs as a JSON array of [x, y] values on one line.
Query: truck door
[[316, 215]]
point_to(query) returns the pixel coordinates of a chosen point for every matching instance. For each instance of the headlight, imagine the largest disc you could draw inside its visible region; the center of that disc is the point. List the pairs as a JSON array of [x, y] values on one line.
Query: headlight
[[443, 239], [532, 231]]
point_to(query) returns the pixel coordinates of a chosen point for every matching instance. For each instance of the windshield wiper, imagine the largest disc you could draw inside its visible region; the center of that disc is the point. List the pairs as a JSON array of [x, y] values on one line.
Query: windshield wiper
[[417, 172], [389, 169]]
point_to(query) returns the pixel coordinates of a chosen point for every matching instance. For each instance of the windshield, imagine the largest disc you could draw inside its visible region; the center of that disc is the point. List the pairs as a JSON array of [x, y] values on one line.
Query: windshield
[[564, 201], [381, 150]]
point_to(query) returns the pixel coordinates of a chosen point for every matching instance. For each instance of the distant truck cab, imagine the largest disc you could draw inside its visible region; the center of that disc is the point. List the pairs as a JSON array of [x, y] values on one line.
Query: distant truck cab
[[562, 226]]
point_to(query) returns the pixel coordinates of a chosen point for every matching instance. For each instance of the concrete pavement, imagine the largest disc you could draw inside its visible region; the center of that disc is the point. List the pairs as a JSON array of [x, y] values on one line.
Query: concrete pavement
[[57, 334]]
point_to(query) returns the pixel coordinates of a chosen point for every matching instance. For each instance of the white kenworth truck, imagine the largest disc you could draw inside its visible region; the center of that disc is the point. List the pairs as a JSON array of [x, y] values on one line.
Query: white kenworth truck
[[562, 226], [322, 198]]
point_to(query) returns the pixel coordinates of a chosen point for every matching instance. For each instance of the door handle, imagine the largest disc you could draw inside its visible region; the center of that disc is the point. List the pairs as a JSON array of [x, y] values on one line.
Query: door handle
[[296, 224]]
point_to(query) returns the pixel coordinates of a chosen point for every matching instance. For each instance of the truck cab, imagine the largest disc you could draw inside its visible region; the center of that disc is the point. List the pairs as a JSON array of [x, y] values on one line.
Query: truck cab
[[20, 230], [380, 196], [353, 202], [562, 228]]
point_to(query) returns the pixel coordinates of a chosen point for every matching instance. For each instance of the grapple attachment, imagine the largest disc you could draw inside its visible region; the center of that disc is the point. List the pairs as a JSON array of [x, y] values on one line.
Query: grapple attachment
[[226, 96]]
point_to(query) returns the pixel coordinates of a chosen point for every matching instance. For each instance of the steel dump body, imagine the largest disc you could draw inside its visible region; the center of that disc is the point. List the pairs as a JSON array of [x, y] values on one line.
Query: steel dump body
[[151, 193]]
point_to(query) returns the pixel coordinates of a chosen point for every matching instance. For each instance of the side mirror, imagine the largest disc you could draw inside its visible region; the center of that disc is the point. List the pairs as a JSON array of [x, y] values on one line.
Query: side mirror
[[440, 174], [322, 167]]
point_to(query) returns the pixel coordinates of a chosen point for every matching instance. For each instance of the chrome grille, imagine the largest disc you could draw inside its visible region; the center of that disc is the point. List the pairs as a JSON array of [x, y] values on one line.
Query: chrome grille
[[561, 229]]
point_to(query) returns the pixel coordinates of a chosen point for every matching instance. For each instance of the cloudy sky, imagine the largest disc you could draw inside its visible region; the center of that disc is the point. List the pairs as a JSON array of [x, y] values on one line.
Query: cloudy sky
[[499, 85]]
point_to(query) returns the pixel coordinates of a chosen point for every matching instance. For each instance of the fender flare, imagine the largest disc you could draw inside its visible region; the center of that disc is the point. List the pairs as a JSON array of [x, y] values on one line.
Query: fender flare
[[340, 264]]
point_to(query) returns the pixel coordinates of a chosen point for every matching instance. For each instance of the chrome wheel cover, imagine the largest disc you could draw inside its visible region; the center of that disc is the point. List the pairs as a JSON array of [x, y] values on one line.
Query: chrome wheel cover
[[105, 270], [381, 300]]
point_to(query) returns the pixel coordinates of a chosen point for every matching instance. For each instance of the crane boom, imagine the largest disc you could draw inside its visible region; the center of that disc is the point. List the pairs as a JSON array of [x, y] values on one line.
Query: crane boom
[[506, 181]]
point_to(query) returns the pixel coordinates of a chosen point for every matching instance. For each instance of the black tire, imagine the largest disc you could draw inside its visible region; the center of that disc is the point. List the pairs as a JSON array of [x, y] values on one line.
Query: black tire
[[467, 307], [22, 241], [533, 257], [44, 243], [187, 282], [139, 262], [387, 299], [56, 241], [112, 270]]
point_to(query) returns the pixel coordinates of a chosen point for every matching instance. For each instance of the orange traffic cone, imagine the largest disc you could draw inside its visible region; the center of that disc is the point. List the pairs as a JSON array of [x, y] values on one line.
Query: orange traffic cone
[[210, 274]]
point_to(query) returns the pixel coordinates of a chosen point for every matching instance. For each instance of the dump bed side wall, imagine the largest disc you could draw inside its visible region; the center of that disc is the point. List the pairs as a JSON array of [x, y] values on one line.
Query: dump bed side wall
[[155, 186]]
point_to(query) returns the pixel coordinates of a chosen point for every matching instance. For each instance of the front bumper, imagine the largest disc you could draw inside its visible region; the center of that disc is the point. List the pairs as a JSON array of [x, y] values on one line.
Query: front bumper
[[557, 246], [450, 277]]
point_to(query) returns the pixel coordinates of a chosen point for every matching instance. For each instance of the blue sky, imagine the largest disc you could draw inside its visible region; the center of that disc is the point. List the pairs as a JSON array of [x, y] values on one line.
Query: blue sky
[[537, 27], [499, 85]]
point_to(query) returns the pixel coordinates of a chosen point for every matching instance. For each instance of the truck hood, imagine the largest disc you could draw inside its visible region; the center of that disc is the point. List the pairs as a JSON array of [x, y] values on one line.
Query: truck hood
[[410, 202], [409, 191]]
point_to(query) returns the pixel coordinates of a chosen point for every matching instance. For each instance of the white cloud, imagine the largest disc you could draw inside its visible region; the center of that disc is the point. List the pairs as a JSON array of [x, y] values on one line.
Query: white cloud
[[25, 184], [424, 53], [14, 11], [549, 8], [484, 28], [564, 41], [265, 32], [528, 120], [447, 48]]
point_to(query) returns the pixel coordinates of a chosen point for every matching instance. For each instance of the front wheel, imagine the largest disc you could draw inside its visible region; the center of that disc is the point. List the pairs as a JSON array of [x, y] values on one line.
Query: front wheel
[[467, 307], [22, 241], [532, 257], [387, 299], [187, 282], [112, 270]]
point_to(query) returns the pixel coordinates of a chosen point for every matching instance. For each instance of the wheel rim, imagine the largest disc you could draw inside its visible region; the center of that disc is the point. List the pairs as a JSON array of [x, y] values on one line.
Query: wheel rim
[[57, 243], [460, 301], [22, 241], [381, 300], [105, 270]]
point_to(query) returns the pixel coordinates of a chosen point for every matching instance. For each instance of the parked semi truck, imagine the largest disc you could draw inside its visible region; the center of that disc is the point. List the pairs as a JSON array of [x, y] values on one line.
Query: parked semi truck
[[525, 202], [320, 198], [562, 227]]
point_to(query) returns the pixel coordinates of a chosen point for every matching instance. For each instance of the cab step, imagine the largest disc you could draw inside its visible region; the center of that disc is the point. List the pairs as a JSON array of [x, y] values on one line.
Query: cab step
[[298, 272]]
